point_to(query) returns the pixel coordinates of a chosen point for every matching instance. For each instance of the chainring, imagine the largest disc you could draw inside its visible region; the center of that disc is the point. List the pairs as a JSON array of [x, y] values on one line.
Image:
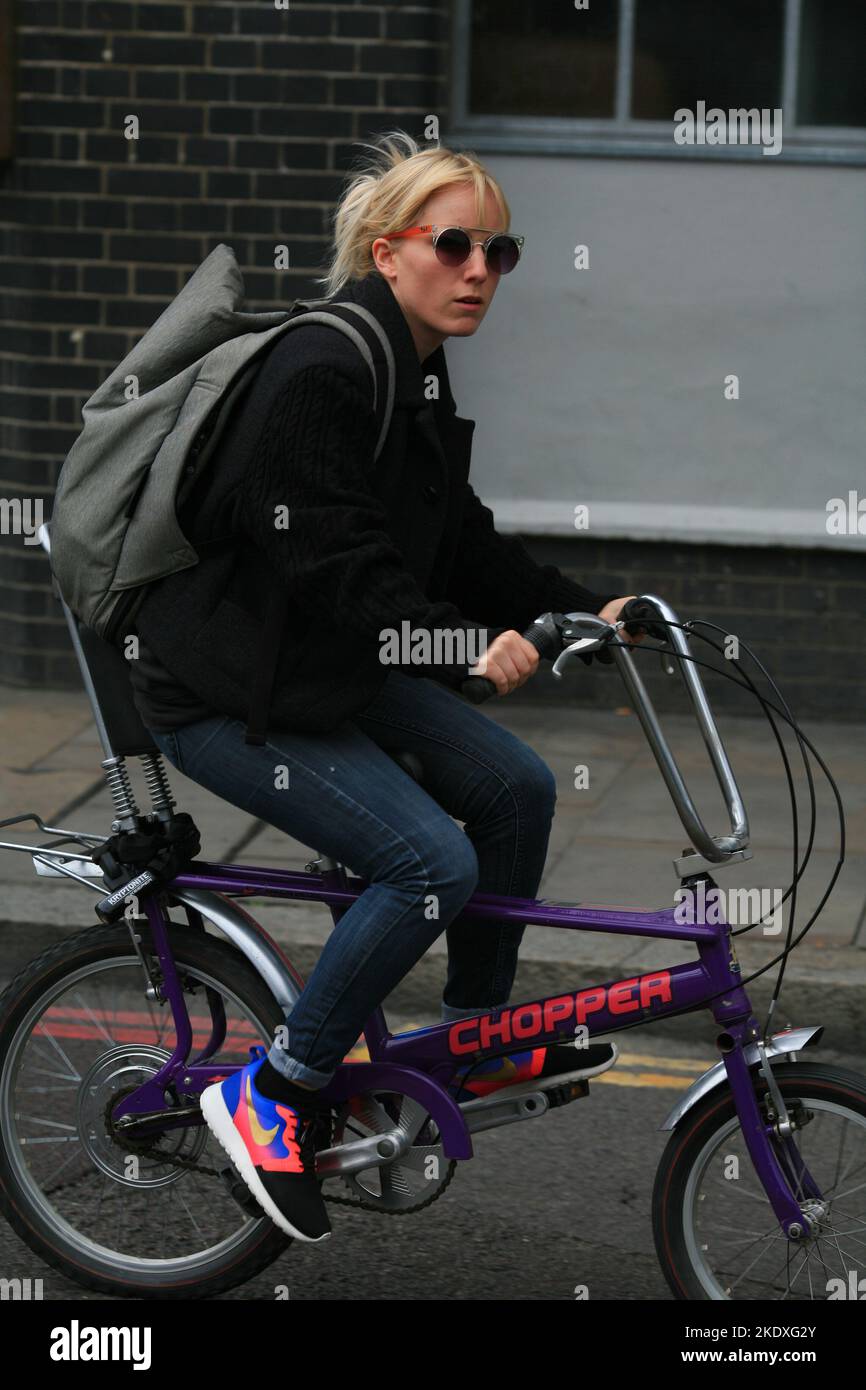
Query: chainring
[[406, 1184]]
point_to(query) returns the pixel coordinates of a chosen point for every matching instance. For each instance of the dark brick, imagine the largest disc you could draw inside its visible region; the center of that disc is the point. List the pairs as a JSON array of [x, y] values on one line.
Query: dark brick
[[292, 88], [159, 282], [358, 24], [188, 120], [158, 86], [169, 52], [158, 217], [107, 82], [231, 120], [110, 15], [227, 184], [356, 91], [429, 26], [202, 216], [34, 243], [403, 59], [48, 47], [307, 57], [307, 187], [132, 313], [409, 91], [39, 111], [154, 18], [59, 178], [33, 78], [235, 53], [22, 337], [289, 120], [106, 347], [107, 213], [105, 279], [258, 154], [164, 250], [212, 152], [207, 86], [158, 183], [257, 19]]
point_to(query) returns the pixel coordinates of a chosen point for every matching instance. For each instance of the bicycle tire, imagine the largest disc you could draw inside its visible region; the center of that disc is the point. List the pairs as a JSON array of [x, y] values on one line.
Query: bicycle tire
[[192, 949], [797, 1080]]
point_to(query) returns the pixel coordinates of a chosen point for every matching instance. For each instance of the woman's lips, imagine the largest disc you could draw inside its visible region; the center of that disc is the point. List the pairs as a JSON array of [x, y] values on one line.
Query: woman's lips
[[469, 303]]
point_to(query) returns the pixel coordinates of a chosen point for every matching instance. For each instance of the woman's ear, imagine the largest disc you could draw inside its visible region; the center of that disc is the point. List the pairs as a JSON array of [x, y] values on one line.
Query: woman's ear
[[383, 253]]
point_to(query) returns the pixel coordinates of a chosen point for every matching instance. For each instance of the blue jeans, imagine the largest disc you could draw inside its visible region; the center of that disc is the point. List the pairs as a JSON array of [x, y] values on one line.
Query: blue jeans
[[347, 798]]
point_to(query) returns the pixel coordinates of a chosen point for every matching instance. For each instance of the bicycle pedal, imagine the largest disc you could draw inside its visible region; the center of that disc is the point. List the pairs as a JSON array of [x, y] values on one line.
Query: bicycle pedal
[[567, 1092], [238, 1191]]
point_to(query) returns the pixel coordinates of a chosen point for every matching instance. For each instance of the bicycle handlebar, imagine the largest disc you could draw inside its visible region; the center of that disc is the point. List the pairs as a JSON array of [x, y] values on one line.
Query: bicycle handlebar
[[549, 635]]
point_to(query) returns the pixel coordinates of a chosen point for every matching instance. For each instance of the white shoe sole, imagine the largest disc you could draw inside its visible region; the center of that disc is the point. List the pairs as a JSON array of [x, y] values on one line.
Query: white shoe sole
[[222, 1127]]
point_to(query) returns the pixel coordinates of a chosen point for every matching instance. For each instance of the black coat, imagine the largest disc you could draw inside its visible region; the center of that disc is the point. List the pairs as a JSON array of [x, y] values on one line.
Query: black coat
[[367, 547]]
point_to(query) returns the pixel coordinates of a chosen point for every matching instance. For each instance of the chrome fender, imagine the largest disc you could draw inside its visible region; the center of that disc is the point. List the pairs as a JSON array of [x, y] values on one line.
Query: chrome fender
[[781, 1044]]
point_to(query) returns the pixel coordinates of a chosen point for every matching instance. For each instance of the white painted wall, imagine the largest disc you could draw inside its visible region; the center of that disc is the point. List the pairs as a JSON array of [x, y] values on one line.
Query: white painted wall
[[605, 386]]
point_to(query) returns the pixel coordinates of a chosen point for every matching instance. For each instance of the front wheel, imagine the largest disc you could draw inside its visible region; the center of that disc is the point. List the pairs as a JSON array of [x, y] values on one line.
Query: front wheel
[[77, 1029], [716, 1234]]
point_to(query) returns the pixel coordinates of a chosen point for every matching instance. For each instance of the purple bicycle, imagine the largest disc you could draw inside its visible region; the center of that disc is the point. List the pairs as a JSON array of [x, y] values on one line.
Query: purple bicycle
[[108, 1039]]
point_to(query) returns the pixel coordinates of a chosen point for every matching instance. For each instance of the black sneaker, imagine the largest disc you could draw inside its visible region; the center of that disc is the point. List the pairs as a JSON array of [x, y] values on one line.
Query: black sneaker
[[537, 1069], [273, 1146]]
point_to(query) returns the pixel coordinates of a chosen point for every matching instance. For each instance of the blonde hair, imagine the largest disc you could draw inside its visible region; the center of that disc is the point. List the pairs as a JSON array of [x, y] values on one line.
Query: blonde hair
[[386, 192]]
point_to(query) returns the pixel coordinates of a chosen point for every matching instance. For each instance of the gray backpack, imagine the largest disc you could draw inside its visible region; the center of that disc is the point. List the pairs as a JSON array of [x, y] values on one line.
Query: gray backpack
[[151, 427]]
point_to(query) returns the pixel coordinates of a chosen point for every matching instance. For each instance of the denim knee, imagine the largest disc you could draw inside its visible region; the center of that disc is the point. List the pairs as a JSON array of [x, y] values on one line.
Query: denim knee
[[454, 869]]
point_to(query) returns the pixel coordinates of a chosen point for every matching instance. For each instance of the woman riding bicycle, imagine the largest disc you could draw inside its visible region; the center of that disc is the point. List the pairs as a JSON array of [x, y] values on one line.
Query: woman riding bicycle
[[420, 241]]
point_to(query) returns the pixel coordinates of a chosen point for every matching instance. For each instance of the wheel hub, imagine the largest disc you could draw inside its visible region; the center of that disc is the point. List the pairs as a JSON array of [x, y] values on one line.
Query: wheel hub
[[116, 1074]]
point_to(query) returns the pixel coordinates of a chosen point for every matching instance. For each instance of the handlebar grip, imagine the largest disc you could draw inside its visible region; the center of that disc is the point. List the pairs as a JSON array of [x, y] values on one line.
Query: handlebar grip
[[542, 634], [637, 615]]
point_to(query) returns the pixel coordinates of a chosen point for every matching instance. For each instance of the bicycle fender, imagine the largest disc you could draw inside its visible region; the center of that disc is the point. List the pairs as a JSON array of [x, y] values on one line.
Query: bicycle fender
[[789, 1041]]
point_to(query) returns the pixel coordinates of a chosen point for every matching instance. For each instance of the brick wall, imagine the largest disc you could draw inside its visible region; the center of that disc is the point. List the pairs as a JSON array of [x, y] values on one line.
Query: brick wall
[[247, 117], [247, 121]]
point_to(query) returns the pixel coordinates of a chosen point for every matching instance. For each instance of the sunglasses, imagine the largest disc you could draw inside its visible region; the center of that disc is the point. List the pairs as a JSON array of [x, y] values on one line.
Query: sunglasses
[[453, 246]]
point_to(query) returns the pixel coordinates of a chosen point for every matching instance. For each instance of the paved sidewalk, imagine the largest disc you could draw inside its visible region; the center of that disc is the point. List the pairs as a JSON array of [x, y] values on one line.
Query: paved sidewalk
[[613, 842]]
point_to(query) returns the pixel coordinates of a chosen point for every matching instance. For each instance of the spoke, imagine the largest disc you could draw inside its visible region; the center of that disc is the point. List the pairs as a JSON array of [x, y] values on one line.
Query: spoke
[[52, 1124], [179, 1193], [95, 1020], [56, 1045], [842, 1195], [49, 1139]]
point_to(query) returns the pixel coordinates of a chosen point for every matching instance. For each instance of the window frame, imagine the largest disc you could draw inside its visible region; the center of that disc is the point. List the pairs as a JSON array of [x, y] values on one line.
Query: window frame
[[622, 136]]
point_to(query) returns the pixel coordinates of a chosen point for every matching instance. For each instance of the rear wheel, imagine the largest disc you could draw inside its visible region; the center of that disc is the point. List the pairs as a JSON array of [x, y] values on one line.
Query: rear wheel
[[716, 1234], [76, 1030]]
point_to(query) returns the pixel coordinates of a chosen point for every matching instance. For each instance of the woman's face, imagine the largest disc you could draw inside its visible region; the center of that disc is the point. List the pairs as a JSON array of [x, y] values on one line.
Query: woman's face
[[428, 292]]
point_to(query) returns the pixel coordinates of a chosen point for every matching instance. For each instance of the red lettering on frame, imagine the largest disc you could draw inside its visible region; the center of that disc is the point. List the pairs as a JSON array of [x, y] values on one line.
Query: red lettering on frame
[[655, 987], [588, 1001], [618, 1001], [521, 1029], [557, 1010], [455, 1040], [490, 1029]]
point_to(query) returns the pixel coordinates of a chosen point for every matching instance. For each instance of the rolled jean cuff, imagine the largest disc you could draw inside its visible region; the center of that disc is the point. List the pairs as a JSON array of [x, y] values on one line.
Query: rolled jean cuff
[[450, 1013], [296, 1071]]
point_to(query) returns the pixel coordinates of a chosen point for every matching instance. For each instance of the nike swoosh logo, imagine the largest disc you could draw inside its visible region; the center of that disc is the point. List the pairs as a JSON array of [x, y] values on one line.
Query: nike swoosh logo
[[260, 1135]]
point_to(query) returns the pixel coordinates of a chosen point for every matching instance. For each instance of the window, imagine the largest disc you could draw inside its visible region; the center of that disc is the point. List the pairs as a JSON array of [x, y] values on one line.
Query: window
[[547, 76]]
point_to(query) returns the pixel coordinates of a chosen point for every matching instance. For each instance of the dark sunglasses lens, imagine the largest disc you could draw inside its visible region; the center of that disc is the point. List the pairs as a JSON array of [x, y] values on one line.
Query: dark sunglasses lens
[[503, 254], [453, 246]]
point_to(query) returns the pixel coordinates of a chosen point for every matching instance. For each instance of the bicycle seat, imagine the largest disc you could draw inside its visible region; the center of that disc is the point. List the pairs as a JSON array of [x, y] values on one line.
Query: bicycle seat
[[411, 763]]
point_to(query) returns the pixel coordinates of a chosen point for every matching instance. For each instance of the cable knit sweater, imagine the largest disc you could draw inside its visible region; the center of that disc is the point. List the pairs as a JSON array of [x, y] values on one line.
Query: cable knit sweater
[[368, 547]]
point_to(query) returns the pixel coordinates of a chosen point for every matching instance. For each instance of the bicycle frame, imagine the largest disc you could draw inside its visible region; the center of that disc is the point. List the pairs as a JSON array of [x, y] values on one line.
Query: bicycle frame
[[421, 1063]]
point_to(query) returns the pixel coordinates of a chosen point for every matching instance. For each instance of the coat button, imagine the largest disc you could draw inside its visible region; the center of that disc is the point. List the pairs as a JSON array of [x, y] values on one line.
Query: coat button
[[431, 492]]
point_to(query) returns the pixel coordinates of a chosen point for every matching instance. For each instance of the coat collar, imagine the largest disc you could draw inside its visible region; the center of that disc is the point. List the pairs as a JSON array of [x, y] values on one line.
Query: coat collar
[[374, 292]]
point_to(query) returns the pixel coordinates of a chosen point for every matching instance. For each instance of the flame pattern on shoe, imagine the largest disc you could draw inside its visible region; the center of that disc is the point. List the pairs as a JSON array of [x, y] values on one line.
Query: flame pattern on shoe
[[495, 1073]]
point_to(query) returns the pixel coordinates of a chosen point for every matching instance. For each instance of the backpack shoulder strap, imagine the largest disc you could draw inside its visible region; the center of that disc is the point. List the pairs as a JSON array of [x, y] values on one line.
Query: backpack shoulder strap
[[372, 343]]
